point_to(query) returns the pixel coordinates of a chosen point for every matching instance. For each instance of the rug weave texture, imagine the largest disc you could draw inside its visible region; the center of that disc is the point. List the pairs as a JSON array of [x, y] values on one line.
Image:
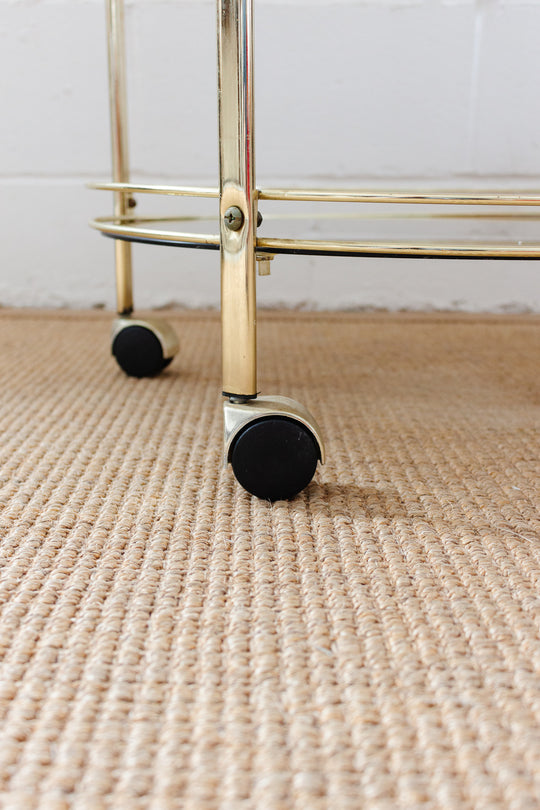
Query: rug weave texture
[[167, 641]]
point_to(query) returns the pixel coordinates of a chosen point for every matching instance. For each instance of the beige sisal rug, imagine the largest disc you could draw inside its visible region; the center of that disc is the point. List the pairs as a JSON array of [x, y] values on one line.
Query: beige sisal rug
[[167, 641]]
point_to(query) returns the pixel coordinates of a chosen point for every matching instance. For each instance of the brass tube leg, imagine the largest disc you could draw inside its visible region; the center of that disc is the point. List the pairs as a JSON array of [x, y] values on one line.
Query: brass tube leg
[[124, 278], [120, 160], [238, 202]]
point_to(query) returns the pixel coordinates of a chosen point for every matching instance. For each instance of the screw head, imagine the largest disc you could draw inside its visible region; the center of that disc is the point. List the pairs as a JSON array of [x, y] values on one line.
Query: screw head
[[234, 218]]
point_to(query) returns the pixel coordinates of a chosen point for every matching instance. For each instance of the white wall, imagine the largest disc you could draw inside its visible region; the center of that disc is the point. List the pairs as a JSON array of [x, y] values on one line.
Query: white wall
[[349, 92]]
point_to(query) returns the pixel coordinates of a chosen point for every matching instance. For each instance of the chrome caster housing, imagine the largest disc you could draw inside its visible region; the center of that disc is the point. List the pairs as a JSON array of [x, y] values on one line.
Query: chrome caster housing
[[143, 348], [273, 445]]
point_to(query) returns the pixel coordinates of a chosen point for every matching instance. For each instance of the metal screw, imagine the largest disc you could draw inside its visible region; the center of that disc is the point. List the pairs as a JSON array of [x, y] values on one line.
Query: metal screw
[[234, 218]]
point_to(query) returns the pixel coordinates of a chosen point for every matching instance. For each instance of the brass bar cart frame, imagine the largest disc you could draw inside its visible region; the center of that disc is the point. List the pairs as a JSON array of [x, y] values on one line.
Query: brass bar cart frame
[[273, 443]]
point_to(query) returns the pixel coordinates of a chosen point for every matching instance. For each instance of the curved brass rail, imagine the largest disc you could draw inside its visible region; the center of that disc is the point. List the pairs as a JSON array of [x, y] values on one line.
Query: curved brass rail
[[135, 228], [168, 191], [131, 230], [464, 250], [450, 197], [402, 197]]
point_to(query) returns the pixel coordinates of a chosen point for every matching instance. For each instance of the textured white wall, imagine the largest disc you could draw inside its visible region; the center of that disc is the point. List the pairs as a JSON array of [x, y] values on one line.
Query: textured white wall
[[350, 92]]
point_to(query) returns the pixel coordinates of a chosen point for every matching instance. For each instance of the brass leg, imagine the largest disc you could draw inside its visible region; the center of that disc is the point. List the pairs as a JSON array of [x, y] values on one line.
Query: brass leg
[[272, 443], [142, 347], [124, 278], [120, 165], [238, 200]]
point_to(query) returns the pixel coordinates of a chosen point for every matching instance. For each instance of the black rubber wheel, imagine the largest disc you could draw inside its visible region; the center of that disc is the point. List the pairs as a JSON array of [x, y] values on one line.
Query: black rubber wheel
[[275, 457], [138, 352]]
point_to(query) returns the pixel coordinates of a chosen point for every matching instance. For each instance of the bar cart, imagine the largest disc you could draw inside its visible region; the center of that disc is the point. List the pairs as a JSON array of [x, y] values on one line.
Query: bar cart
[[272, 442]]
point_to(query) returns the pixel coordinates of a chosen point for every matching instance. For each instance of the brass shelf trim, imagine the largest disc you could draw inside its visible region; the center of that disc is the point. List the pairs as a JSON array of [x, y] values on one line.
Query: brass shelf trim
[[129, 227], [472, 250], [450, 197], [110, 227], [168, 191], [502, 250]]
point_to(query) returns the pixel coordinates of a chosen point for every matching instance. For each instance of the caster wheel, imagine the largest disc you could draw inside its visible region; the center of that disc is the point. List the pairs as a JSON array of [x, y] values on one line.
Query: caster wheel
[[143, 349], [275, 457]]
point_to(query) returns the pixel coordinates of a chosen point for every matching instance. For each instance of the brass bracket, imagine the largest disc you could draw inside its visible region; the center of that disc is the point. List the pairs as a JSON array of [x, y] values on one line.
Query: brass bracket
[[263, 263], [161, 329], [239, 414]]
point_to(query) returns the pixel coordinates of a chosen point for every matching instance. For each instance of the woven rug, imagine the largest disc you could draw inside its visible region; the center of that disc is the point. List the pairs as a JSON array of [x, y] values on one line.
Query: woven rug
[[168, 641]]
